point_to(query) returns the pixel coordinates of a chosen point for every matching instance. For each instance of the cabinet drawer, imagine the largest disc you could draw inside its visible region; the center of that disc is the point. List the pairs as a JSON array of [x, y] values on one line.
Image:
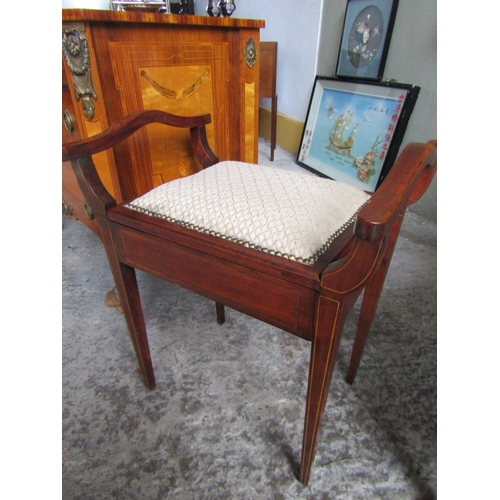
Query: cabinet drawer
[[73, 200]]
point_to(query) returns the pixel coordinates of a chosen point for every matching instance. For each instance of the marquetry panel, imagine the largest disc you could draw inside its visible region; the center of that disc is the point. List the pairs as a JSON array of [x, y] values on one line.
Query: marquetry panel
[[179, 78]]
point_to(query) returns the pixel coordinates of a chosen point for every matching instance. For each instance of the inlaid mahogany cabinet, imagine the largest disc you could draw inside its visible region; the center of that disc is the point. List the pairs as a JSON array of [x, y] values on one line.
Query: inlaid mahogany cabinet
[[115, 63]]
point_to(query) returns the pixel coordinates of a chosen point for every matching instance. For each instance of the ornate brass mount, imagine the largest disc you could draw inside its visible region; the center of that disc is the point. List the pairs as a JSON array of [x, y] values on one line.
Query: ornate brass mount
[[250, 52], [67, 210], [76, 52]]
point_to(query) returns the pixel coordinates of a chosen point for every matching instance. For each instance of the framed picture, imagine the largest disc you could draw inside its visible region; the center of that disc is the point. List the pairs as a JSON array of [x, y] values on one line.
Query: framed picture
[[354, 129], [365, 38]]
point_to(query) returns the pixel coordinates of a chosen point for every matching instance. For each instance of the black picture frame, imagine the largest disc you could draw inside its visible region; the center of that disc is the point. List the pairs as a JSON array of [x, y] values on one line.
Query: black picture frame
[[354, 129], [366, 37]]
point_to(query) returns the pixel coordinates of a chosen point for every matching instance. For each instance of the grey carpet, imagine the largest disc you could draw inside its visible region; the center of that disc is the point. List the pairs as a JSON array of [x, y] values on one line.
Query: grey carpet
[[225, 420]]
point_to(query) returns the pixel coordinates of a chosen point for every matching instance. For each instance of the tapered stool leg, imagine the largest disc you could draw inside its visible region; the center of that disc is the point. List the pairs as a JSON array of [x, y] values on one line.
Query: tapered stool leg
[[128, 291], [132, 309], [329, 323], [371, 297]]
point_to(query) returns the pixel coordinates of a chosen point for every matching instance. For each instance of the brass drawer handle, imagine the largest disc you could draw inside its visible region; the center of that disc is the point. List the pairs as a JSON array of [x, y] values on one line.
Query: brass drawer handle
[[67, 210], [68, 121], [88, 211]]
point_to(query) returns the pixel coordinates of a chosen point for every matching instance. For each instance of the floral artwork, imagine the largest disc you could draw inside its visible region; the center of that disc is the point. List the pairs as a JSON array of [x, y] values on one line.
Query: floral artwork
[[365, 36], [366, 166], [367, 29]]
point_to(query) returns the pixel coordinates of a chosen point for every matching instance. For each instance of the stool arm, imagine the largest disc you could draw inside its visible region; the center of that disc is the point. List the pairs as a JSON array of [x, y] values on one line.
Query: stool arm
[[125, 127], [425, 179], [406, 182]]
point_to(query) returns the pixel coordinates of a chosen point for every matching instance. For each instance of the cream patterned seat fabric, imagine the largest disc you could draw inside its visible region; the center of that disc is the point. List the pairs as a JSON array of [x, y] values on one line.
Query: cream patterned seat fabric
[[284, 213]]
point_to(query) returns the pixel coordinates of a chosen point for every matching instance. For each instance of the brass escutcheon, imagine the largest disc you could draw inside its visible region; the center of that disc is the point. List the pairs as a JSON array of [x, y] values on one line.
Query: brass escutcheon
[[250, 52], [68, 120]]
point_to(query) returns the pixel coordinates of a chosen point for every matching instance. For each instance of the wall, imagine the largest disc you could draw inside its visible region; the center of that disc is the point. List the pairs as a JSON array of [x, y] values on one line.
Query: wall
[[295, 25], [413, 59], [308, 34], [85, 4]]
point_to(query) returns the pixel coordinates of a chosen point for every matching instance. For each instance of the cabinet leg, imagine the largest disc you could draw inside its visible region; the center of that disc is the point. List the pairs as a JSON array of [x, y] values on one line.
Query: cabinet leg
[[221, 315]]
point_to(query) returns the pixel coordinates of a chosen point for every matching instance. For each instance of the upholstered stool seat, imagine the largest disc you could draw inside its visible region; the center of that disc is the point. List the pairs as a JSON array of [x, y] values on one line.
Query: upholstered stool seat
[[284, 213]]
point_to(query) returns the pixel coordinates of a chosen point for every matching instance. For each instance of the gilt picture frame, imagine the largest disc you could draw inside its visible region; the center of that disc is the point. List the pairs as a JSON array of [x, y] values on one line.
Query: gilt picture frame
[[354, 129], [366, 37]]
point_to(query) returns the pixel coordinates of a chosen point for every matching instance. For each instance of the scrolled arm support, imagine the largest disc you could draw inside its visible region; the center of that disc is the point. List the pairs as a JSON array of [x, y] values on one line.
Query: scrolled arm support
[[80, 152], [201, 148], [97, 196]]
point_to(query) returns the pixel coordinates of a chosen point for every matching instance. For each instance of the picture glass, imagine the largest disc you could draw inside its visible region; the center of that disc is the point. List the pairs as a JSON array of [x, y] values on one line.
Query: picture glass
[[349, 130]]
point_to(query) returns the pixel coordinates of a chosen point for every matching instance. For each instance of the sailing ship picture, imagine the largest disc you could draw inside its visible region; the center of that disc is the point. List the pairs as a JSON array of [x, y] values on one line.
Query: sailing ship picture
[[351, 134]]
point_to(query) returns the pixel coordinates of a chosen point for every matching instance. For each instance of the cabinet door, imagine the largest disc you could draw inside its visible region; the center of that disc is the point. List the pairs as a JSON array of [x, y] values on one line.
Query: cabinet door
[[179, 78]]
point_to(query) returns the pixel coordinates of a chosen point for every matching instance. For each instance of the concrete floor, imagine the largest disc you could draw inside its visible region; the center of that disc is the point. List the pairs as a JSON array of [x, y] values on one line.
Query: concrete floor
[[225, 420]]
